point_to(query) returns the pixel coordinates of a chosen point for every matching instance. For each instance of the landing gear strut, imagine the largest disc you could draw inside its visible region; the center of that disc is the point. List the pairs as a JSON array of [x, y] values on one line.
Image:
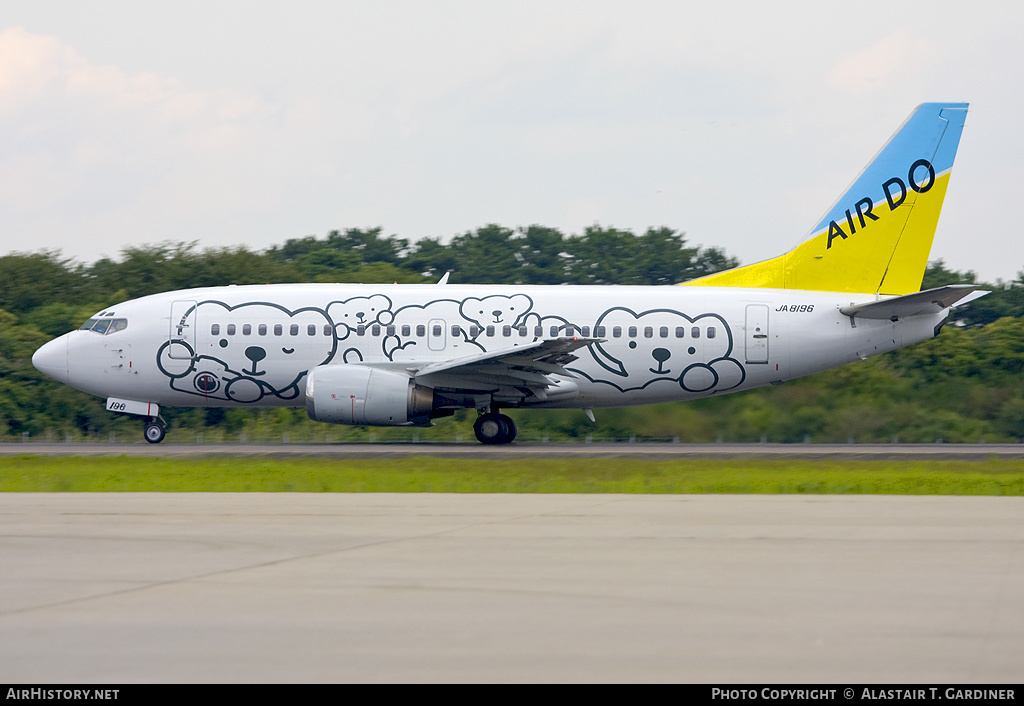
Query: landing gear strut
[[493, 428], [155, 430]]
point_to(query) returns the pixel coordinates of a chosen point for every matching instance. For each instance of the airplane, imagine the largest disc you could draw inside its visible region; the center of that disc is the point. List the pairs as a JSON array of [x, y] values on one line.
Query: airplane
[[399, 355]]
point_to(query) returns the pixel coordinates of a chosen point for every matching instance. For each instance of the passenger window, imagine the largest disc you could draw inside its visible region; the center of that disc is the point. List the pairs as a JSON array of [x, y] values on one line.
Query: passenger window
[[648, 332], [215, 330], [263, 329], [278, 329], [474, 331], [456, 330], [328, 329], [231, 329], [554, 332], [437, 330], [506, 331], [663, 332], [522, 331], [406, 330], [570, 330], [711, 331], [599, 332], [294, 330], [616, 332], [490, 331], [311, 330], [375, 330], [538, 331], [695, 332], [680, 332], [586, 332], [361, 330], [391, 330], [246, 329], [632, 331]]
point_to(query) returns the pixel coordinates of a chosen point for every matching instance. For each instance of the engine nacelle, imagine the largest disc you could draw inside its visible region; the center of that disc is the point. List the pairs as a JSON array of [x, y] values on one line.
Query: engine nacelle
[[359, 394]]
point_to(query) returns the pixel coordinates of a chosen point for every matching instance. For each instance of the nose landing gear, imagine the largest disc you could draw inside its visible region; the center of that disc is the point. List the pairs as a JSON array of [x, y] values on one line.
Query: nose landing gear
[[155, 430], [493, 428]]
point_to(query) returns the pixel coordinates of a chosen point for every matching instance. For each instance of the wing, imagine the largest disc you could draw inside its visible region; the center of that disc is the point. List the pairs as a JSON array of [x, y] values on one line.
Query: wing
[[930, 301], [511, 374]]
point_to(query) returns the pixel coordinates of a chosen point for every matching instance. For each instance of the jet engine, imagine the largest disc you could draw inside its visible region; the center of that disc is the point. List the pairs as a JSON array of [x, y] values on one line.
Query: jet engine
[[360, 394]]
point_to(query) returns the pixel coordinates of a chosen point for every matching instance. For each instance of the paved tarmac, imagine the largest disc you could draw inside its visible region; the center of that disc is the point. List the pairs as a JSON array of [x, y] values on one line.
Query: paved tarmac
[[151, 587], [527, 450]]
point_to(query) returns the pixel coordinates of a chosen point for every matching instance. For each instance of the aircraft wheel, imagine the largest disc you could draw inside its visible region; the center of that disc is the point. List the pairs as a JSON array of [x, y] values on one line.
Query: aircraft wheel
[[154, 432], [510, 434], [494, 429]]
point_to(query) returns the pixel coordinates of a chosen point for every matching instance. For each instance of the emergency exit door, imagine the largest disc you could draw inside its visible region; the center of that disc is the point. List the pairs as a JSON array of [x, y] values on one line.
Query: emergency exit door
[[757, 333]]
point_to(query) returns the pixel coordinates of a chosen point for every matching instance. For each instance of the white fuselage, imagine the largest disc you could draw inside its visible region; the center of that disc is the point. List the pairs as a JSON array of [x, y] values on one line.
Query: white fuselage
[[254, 345]]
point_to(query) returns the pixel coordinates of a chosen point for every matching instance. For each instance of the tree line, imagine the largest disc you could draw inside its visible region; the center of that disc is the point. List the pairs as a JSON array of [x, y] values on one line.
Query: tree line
[[961, 386]]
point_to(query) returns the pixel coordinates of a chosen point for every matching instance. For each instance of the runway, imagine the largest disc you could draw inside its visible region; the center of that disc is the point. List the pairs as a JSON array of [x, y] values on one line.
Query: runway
[[150, 587], [527, 450]]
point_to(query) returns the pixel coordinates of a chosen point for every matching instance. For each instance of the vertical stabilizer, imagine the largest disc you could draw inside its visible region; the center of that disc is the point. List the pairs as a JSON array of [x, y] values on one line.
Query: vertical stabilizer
[[877, 236]]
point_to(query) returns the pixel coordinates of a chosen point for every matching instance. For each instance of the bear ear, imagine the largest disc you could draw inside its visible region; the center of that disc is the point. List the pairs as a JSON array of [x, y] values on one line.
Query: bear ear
[[521, 300], [467, 305], [617, 317]]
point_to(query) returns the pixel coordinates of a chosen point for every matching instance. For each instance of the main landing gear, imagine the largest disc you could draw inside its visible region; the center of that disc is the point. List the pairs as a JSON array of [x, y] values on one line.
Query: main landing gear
[[155, 430], [493, 428]]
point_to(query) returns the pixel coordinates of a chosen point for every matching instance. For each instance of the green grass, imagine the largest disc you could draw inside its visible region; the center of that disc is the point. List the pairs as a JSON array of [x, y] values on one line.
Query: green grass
[[427, 474]]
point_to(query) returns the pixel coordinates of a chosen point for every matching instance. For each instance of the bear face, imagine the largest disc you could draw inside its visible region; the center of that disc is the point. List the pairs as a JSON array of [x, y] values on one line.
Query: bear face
[[496, 310], [359, 311], [247, 351]]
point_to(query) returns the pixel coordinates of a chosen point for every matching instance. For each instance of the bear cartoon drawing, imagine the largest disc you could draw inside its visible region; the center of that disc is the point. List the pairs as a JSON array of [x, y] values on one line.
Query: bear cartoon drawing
[[496, 310], [662, 344], [248, 351], [350, 313]]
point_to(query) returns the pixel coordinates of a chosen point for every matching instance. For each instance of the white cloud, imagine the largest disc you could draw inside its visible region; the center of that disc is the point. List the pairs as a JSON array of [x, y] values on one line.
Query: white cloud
[[882, 64]]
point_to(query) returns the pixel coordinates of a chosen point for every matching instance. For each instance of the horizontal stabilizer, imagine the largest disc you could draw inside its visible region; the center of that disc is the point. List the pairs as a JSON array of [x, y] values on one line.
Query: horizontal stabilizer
[[930, 301]]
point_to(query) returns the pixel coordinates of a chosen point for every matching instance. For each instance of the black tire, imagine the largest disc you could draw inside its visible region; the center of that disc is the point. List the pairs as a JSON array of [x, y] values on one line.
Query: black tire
[[510, 435], [154, 432], [494, 428]]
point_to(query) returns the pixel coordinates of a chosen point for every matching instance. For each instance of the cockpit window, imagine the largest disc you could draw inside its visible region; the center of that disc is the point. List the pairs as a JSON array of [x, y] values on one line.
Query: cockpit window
[[104, 326]]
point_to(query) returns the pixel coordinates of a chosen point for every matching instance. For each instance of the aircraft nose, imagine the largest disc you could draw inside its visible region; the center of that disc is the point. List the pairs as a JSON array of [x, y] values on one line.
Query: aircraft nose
[[52, 359]]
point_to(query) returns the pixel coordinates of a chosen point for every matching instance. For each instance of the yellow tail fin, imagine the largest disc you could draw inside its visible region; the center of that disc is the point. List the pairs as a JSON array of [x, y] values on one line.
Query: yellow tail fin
[[877, 236]]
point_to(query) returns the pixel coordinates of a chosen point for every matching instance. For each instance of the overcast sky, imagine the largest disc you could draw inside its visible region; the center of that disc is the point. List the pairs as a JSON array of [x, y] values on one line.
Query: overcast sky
[[233, 123]]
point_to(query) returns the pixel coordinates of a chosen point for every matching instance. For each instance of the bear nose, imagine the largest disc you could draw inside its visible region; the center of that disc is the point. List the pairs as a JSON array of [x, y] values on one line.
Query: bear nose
[[496, 312], [255, 353], [661, 354]]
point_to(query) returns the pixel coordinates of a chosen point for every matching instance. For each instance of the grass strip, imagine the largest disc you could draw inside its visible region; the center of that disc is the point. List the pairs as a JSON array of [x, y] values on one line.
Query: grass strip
[[427, 474]]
